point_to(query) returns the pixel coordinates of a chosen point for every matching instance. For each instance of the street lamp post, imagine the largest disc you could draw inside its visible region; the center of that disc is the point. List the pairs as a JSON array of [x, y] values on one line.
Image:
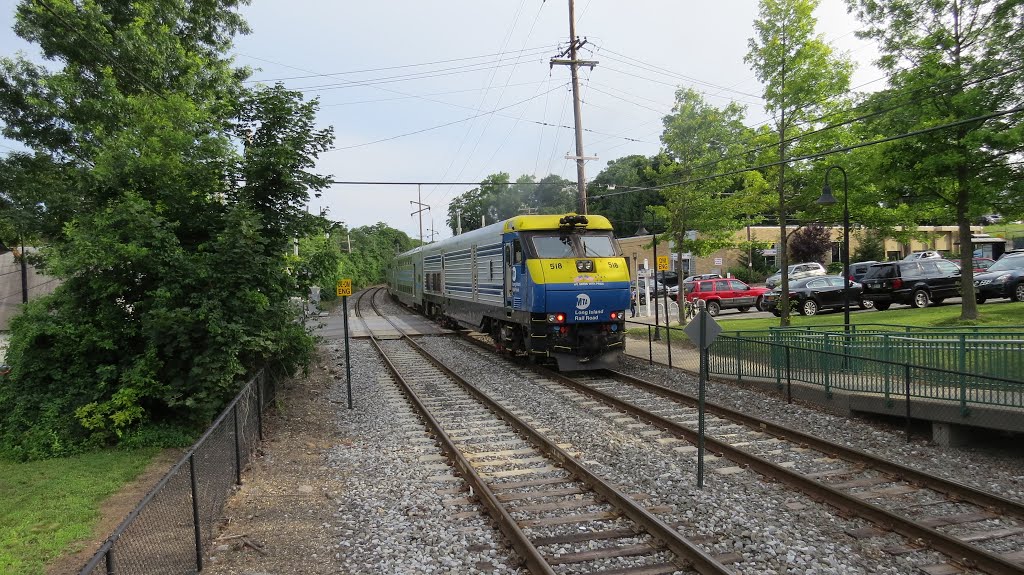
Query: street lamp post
[[828, 199], [642, 231]]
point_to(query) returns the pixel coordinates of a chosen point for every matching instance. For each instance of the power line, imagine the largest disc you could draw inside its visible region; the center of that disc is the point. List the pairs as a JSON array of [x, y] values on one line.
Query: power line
[[538, 49], [824, 153], [440, 125], [403, 78]]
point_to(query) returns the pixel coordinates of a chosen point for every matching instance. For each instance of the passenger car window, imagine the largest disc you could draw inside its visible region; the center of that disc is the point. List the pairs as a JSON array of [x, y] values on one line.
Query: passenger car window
[[836, 282], [947, 267], [929, 268], [721, 285], [881, 272], [910, 271], [738, 285]]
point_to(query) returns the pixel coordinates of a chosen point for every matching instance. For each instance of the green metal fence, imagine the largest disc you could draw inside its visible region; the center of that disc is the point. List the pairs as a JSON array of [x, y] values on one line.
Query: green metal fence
[[954, 368], [991, 352]]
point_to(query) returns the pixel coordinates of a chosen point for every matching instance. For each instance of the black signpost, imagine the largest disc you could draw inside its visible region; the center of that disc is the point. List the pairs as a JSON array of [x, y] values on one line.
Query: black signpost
[[702, 332], [345, 290]]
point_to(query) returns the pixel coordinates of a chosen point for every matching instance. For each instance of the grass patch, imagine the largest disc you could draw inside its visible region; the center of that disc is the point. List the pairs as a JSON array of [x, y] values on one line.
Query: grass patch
[[49, 507], [1005, 230], [1006, 314]]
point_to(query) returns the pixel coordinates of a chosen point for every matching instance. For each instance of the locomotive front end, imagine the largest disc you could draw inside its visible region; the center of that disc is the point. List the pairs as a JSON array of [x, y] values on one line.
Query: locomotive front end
[[580, 293]]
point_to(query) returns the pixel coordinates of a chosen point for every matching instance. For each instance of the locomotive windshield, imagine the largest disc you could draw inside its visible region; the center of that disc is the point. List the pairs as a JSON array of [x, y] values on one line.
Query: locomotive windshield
[[579, 244]]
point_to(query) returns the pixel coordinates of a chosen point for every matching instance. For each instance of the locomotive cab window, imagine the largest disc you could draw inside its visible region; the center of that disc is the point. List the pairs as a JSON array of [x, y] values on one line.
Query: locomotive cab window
[[553, 246], [517, 252], [599, 245], [580, 244]]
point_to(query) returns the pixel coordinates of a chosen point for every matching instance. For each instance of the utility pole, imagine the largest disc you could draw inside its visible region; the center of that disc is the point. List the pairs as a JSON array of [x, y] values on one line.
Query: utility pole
[[423, 208], [458, 222], [574, 64]]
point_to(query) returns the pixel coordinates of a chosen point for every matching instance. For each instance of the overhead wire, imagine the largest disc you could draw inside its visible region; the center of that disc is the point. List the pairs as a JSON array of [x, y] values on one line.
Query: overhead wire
[[816, 155], [540, 49], [459, 121], [483, 98]]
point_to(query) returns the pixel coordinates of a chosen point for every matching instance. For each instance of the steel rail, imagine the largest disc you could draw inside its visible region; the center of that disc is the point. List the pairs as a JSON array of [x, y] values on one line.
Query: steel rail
[[956, 549], [683, 548], [951, 488], [506, 523]]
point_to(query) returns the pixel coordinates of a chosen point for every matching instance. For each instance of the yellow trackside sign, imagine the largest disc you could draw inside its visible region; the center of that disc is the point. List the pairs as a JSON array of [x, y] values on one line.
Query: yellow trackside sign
[[344, 287], [662, 263]]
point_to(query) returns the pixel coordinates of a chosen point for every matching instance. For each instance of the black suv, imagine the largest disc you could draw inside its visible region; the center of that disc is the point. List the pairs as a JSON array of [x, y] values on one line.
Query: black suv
[[1005, 278], [913, 283]]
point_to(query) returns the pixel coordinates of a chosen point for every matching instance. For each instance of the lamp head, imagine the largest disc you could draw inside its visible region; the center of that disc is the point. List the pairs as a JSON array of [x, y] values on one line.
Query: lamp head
[[826, 198], [642, 231]]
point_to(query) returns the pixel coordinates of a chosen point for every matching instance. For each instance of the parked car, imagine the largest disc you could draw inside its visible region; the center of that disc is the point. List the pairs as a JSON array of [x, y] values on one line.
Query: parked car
[[858, 269], [923, 255], [1004, 279], [980, 264], [668, 278], [912, 283], [725, 293], [810, 295], [796, 271], [688, 282], [989, 219], [655, 289]]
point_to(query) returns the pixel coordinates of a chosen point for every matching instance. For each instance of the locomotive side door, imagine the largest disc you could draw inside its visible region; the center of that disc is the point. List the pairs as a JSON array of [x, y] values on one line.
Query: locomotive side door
[[514, 268], [507, 275]]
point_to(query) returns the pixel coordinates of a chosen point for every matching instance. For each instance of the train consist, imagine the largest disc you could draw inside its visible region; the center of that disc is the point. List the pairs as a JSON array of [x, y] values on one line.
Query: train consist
[[553, 288]]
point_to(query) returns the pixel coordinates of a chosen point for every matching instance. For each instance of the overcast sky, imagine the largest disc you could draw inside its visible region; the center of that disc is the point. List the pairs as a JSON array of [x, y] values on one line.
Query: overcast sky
[[473, 79]]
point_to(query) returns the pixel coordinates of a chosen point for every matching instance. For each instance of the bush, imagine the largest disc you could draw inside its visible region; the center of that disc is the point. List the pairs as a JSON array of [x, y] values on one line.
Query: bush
[[834, 268]]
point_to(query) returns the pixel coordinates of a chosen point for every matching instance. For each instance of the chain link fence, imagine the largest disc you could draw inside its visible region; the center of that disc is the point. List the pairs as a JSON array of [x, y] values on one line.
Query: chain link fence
[[168, 530]]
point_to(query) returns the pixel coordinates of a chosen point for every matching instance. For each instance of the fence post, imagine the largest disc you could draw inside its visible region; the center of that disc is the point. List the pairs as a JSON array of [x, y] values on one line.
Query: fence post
[[259, 402], [776, 363], [668, 339], [827, 358], [906, 382], [789, 380], [110, 560], [887, 357], [650, 346], [962, 367], [739, 370], [195, 510], [238, 447]]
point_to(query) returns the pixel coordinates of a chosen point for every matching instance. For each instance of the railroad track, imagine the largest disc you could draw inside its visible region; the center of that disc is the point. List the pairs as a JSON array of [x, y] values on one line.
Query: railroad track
[[552, 508], [975, 529]]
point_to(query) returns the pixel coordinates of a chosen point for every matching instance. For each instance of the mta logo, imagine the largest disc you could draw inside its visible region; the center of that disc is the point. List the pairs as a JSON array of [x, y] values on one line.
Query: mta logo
[[582, 301]]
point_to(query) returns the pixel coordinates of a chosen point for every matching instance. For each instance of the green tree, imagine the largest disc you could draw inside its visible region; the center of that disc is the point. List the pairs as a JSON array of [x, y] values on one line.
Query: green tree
[[871, 247], [704, 209], [373, 250], [803, 81], [498, 198], [174, 278], [620, 191], [949, 61]]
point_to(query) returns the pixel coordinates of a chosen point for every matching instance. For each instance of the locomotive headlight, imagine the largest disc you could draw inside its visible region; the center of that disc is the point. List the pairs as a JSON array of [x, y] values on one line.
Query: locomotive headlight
[[556, 318], [615, 315]]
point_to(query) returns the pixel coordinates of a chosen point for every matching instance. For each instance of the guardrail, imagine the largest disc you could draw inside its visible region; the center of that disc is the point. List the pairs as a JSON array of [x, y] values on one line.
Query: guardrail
[[168, 530]]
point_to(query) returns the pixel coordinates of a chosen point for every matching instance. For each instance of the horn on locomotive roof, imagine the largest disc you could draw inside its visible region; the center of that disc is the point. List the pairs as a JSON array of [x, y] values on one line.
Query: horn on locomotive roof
[[572, 221]]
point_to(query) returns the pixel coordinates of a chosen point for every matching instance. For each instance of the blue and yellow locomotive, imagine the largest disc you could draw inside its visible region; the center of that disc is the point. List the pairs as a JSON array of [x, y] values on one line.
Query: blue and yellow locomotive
[[551, 287]]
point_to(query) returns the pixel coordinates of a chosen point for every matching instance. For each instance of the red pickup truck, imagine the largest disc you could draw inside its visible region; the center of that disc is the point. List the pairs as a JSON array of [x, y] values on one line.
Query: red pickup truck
[[720, 294]]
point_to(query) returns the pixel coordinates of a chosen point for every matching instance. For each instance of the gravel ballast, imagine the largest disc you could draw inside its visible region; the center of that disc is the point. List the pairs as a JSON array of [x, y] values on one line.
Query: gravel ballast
[[363, 491]]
